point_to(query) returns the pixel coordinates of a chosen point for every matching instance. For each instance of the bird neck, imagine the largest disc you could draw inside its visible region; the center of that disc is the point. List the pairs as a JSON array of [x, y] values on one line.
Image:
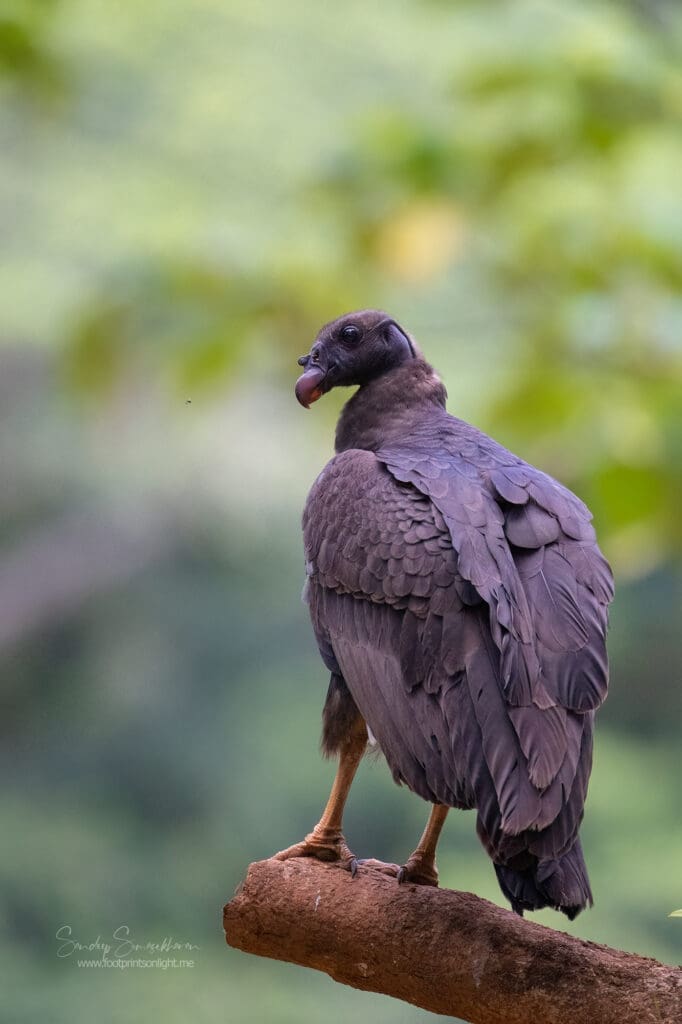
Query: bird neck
[[390, 406]]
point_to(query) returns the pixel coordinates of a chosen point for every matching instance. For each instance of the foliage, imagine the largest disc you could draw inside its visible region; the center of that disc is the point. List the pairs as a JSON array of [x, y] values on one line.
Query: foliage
[[27, 59], [186, 197]]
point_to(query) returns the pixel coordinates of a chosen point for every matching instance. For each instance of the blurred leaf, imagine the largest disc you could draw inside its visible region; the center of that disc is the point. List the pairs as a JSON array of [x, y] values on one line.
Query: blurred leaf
[[96, 353], [419, 241], [28, 60]]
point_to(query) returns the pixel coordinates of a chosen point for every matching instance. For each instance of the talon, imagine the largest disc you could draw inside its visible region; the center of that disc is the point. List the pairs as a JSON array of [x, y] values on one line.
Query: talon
[[330, 848], [418, 873], [375, 865]]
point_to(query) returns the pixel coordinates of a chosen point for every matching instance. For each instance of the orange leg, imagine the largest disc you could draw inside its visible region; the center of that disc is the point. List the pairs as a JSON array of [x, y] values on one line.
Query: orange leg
[[420, 867], [326, 841]]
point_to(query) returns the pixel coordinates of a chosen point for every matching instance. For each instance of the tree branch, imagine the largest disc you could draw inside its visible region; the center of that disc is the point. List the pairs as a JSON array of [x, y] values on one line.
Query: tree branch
[[448, 952]]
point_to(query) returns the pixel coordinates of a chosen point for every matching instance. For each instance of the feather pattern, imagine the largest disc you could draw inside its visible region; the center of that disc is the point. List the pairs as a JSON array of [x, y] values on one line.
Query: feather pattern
[[461, 595]]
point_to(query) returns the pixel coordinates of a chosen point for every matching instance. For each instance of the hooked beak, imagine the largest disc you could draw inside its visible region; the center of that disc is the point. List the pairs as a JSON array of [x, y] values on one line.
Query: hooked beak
[[309, 384]]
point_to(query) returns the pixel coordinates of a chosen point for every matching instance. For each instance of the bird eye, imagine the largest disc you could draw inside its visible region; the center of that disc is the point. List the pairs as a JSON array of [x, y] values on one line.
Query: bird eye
[[350, 333]]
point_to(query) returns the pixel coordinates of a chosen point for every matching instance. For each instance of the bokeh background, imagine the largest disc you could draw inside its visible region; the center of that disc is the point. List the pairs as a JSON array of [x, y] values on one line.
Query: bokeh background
[[187, 191]]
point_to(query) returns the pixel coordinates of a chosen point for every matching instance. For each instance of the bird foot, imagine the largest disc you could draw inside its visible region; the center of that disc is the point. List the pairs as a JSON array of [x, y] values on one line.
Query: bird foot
[[330, 845], [375, 865], [418, 871], [324, 844]]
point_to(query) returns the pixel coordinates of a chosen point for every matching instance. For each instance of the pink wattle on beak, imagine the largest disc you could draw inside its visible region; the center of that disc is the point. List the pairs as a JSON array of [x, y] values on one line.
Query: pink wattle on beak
[[307, 386]]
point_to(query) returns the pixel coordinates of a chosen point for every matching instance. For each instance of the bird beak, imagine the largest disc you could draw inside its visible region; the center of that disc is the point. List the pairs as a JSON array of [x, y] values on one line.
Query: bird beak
[[308, 388]]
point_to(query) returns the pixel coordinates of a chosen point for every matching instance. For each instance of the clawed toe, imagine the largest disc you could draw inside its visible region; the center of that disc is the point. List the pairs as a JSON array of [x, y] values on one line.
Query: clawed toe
[[332, 848], [328, 848], [415, 872], [418, 873], [374, 865]]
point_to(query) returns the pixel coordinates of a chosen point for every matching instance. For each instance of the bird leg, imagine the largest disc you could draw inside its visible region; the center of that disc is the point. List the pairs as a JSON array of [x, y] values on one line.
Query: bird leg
[[326, 841], [420, 867]]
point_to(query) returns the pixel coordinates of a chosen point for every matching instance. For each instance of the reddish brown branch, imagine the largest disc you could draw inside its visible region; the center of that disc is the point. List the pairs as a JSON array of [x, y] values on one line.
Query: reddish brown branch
[[448, 952]]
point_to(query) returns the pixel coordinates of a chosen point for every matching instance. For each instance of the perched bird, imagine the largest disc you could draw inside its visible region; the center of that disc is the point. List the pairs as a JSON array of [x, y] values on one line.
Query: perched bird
[[460, 602]]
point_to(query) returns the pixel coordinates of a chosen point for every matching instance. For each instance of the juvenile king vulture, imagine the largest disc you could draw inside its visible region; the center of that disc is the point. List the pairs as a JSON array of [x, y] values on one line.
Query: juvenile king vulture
[[460, 602]]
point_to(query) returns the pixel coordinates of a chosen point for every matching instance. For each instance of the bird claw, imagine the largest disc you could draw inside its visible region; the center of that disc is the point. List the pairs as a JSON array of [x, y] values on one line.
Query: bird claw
[[414, 872], [375, 865], [330, 848], [417, 872]]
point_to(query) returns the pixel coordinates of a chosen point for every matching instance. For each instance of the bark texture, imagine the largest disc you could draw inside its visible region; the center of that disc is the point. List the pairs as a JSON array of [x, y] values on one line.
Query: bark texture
[[448, 952]]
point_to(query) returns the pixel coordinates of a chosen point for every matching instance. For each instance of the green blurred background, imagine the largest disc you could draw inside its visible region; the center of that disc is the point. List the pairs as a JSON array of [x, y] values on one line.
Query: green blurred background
[[187, 191]]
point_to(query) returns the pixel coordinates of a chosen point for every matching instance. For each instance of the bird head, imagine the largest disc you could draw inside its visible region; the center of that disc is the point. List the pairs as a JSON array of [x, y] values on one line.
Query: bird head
[[354, 349]]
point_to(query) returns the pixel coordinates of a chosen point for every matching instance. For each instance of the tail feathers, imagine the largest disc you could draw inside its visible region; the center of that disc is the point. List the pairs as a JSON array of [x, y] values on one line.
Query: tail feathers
[[561, 884]]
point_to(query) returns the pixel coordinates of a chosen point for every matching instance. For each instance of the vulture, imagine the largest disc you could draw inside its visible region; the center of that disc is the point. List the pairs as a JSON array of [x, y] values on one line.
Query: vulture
[[460, 602]]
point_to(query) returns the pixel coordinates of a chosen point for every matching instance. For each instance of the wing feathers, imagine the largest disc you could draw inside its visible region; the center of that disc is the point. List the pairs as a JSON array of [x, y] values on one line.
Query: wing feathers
[[543, 740], [529, 526], [464, 599]]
